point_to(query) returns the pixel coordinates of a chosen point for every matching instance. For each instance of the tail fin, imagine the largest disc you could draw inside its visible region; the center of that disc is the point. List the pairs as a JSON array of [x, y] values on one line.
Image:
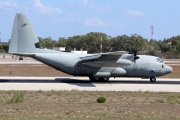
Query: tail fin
[[23, 39]]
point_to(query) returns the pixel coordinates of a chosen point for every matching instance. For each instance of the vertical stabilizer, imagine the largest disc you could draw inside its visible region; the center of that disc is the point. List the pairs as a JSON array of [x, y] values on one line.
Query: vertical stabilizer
[[23, 38]]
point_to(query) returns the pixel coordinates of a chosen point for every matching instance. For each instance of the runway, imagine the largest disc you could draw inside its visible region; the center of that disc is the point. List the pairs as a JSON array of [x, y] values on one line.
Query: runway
[[83, 84]]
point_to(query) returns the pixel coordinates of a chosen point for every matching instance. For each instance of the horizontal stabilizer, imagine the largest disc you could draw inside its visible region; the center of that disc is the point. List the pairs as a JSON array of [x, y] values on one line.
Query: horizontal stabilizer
[[25, 54]]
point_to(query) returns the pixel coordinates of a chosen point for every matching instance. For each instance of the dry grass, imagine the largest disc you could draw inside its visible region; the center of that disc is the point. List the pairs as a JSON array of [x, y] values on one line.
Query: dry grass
[[175, 73], [30, 70], [82, 105]]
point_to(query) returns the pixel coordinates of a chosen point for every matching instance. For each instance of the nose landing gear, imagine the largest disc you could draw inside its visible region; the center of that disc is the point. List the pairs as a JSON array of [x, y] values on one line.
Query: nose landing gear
[[153, 79]]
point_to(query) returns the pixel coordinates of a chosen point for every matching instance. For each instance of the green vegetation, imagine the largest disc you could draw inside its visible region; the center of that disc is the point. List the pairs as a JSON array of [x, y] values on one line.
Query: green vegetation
[[80, 105], [4, 47], [101, 99], [17, 98], [167, 48]]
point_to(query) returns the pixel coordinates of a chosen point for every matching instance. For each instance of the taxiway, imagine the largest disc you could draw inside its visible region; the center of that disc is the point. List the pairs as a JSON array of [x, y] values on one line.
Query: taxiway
[[83, 84]]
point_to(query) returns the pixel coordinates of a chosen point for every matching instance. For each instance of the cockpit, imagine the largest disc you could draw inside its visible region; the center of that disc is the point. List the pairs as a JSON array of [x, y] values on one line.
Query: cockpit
[[159, 60]]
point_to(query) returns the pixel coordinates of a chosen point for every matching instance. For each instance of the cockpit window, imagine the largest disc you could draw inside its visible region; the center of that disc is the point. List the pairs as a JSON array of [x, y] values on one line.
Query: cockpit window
[[159, 60]]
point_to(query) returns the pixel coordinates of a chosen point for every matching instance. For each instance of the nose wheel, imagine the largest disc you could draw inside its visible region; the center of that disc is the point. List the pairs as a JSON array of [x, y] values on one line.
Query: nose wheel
[[153, 79]]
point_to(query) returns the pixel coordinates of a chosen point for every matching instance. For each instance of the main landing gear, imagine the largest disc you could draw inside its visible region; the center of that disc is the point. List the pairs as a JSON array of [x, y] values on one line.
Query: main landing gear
[[98, 79], [153, 79]]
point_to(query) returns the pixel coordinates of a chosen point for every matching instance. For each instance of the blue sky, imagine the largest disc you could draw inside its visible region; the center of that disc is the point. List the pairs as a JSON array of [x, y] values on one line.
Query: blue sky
[[66, 18]]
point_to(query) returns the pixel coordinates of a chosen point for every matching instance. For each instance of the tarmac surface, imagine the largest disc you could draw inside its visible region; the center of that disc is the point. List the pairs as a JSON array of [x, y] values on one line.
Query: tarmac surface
[[83, 84]]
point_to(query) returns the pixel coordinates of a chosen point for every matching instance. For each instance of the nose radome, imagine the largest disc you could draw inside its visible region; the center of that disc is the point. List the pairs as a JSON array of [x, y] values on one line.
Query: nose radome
[[169, 69]]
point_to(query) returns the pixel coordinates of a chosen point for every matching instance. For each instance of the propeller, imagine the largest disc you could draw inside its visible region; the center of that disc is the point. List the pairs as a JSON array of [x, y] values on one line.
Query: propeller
[[135, 55]]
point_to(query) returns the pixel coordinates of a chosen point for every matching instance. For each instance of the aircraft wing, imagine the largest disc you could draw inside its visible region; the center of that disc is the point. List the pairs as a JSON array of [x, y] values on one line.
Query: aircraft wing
[[103, 56], [109, 59], [119, 53]]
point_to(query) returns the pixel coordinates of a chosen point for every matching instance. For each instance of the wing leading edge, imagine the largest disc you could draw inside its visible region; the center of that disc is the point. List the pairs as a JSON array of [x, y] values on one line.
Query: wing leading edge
[[109, 59]]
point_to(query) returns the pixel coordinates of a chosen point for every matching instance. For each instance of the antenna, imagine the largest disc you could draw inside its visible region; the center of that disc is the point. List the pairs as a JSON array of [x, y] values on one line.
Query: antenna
[[101, 44], [152, 32]]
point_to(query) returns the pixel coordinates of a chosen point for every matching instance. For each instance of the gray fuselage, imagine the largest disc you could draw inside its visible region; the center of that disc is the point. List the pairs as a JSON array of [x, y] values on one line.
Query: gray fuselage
[[146, 66]]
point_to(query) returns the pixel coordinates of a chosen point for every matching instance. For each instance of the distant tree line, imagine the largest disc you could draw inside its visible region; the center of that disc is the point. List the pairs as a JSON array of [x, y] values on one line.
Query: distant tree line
[[167, 48]]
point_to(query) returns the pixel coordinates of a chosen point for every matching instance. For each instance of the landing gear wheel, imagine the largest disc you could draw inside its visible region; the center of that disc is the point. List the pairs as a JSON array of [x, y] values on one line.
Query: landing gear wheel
[[92, 79], [153, 79], [105, 79], [96, 79]]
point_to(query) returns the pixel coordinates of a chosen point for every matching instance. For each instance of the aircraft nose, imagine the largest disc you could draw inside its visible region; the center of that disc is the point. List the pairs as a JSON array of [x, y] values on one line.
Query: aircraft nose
[[168, 69]]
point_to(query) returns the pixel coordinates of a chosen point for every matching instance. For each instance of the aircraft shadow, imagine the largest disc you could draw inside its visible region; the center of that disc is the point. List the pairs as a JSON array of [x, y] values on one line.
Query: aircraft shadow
[[87, 83], [81, 83]]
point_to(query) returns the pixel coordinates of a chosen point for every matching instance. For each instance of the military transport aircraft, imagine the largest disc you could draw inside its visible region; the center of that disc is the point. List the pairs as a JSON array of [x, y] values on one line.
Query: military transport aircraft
[[98, 67]]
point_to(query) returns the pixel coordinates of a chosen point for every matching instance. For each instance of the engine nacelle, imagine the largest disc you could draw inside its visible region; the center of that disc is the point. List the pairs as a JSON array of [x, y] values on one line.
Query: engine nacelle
[[118, 72]]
